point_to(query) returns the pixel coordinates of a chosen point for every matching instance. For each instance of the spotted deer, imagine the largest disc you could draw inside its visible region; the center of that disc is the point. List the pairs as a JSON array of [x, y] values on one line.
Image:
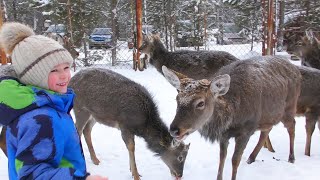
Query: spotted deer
[[241, 98]]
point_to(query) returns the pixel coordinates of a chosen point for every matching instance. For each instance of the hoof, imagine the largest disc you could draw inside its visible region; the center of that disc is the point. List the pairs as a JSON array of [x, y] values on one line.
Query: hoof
[[96, 161], [291, 159], [136, 177], [271, 150], [250, 160]]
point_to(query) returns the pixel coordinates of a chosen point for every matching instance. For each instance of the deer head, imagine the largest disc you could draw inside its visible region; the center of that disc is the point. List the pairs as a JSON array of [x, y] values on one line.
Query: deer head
[[195, 100], [146, 44], [310, 50], [175, 156]]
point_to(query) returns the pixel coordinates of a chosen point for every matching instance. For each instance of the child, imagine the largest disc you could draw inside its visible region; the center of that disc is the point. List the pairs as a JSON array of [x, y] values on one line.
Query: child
[[42, 141]]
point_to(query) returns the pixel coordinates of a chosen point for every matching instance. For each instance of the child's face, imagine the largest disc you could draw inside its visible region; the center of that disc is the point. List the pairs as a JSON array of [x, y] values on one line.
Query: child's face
[[59, 78]]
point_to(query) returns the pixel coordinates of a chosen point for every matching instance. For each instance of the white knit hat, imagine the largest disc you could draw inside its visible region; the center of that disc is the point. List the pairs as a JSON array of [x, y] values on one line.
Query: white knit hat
[[33, 56]]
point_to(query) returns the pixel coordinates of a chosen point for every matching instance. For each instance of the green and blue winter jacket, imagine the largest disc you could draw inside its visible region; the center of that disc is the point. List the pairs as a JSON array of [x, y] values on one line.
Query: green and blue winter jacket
[[42, 141]]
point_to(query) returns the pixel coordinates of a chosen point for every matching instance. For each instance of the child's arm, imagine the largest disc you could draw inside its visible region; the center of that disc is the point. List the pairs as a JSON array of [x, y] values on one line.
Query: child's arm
[[37, 151]]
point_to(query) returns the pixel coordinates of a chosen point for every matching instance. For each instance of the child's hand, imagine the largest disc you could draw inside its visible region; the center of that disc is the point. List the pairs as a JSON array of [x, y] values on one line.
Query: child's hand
[[96, 177]]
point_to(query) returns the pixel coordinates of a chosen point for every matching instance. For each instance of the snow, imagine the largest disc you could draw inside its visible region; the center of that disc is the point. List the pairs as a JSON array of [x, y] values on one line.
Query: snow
[[203, 158]]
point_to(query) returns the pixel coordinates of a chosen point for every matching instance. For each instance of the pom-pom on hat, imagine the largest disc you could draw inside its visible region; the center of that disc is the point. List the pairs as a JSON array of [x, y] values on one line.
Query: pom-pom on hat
[[33, 56]]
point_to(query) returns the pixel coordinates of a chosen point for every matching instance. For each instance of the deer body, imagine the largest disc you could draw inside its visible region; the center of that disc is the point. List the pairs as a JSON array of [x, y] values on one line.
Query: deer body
[[194, 64], [308, 104], [309, 101], [243, 97], [113, 100]]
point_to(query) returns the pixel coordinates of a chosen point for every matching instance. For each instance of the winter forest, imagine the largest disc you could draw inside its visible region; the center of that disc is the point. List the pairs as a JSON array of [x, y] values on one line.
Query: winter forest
[[105, 34], [198, 21]]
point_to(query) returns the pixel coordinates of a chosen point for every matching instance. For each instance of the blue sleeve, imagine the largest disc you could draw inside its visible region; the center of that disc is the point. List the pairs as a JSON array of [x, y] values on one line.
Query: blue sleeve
[[37, 155]]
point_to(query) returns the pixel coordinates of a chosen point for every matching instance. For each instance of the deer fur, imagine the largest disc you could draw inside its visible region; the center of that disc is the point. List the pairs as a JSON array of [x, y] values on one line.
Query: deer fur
[[113, 100], [308, 104], [242, 97], [194, 64], [310, 50], [309, 101], [306, 47]]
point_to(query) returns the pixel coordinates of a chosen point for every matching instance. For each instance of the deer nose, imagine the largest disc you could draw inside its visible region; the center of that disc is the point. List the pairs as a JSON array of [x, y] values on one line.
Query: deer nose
[[174, 132]]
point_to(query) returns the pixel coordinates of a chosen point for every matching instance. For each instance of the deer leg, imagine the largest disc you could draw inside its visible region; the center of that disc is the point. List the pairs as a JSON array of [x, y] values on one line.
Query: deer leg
[[241, 143], [268, 145], [128, 139], [87, 135], [263, 136], [310, 126], [82, 118], [3, 144], [223, 154], [290, 123]]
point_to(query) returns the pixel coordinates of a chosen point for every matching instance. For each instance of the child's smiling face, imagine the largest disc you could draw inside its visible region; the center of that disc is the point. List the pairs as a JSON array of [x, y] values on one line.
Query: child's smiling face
[[59, 78]]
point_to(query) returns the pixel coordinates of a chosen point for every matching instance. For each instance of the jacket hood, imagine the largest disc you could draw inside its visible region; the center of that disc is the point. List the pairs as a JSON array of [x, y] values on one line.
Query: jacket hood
[[17, 98]]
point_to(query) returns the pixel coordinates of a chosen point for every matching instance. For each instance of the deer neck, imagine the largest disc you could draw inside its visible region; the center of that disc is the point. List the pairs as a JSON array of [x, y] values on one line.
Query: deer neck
[[219, 122], [158, 56], [158, 49], [157, 136]]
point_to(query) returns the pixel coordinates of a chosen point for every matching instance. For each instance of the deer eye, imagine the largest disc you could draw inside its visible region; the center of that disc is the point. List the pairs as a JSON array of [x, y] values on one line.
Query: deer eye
[[180, 159], [200, 105]]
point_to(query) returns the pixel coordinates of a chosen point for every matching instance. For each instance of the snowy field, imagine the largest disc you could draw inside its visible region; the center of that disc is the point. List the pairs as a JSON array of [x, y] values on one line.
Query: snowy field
[[203, 158]]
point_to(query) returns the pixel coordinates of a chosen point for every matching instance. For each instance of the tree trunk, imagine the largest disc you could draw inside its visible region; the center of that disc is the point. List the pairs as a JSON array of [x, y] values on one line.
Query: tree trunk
[[14, 9], [165, 23], [280, 26], [114, 31]]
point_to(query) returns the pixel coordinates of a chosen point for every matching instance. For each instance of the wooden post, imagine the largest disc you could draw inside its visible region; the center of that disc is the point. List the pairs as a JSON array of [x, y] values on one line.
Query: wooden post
[[2, 53], [139, 32], [270, 35], [264, 26]]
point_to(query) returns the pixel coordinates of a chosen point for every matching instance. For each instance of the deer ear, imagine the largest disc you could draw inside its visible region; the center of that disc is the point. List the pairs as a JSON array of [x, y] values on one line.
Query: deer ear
[[171, 77], [318, 42], [175, 143], [220, 85], [310, 36]]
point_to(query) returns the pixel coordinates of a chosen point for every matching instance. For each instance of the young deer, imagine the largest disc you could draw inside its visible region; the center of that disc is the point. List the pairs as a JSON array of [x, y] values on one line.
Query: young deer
[[243, 97], [194, 64], [113, 100]]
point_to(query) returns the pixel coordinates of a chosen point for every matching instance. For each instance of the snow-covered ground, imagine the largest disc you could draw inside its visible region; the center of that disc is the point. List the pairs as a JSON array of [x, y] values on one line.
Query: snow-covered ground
[[203, 158]]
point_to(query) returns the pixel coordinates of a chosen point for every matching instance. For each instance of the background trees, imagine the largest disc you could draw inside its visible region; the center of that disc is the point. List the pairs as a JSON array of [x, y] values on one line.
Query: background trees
[[165, 15]]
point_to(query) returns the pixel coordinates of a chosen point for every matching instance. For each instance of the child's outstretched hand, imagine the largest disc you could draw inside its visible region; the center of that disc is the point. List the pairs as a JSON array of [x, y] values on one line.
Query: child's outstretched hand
[[96, 177]]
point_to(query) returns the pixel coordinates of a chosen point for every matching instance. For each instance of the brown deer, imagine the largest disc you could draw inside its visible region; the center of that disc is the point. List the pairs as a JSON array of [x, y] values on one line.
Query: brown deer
[[243, 97], [194, 64], [308, 103], [306, 47], [309, 52], [113, 100]]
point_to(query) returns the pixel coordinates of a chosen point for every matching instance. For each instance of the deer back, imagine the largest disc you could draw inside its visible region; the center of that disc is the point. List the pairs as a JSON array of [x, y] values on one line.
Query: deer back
[[258, 94], [109, 95]]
